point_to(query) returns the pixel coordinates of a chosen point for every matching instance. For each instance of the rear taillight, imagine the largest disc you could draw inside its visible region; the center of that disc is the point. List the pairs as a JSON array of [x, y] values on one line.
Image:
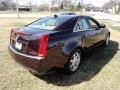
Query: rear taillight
[[42, 47], [11, 36]]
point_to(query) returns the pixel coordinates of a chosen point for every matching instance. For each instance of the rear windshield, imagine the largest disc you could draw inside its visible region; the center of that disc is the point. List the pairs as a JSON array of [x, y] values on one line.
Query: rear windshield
[[48, 23]]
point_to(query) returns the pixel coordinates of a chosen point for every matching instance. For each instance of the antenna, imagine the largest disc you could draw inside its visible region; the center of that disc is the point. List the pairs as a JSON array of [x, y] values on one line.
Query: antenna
[[55, 16]]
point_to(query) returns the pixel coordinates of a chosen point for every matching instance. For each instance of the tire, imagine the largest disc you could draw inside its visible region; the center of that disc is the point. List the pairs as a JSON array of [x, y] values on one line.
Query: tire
[[73, 62], [106, 42]]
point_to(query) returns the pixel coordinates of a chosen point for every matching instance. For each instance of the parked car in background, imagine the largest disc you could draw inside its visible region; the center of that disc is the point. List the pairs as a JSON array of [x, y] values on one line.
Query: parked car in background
[[68, 13], [56, 42]]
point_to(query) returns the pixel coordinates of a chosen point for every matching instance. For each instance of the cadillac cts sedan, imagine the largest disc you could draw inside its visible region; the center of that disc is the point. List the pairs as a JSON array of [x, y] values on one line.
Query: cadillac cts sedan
[[56, 42]]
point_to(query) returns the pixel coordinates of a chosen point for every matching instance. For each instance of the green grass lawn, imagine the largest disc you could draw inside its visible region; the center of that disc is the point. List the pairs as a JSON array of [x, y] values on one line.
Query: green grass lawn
[[99, 71]]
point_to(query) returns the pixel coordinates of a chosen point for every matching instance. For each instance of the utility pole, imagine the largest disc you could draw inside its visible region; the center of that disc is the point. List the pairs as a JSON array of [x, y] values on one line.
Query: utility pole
[[17, 5]]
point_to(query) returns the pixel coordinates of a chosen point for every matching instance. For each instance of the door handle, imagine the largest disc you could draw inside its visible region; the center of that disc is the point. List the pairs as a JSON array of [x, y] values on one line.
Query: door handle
[[83, 36]]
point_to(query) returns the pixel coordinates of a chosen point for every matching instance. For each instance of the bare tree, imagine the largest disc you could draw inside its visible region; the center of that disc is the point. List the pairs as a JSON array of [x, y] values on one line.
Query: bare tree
[[55, 2], [5, 5], [66, 3], [116, 5], [89, 7], [61, 6], [107, 6], [80, 5]]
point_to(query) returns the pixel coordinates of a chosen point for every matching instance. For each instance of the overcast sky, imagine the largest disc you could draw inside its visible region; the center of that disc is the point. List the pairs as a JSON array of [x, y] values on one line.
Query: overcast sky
[[98, 3]]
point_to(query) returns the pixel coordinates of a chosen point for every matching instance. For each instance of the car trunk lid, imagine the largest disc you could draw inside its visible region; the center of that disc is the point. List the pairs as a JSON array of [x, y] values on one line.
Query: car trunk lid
[[27, 40]]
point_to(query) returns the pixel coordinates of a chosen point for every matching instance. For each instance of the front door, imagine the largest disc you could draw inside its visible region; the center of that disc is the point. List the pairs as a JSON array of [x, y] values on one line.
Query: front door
[[95, 26]]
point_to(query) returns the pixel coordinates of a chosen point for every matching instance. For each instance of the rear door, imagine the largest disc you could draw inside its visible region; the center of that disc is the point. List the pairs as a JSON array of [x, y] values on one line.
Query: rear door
[[87, 34]]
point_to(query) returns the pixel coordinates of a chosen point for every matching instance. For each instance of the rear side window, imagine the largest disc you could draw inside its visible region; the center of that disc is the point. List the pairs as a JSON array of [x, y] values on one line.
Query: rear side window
[[85, 24], [82, 24]]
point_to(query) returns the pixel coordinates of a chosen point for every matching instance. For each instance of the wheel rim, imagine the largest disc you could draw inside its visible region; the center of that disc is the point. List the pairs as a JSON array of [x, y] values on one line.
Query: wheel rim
[[107, 40], [75, 61]]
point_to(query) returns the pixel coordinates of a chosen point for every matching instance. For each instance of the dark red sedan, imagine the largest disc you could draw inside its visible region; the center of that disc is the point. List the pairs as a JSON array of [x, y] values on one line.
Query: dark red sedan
[[56, 42]]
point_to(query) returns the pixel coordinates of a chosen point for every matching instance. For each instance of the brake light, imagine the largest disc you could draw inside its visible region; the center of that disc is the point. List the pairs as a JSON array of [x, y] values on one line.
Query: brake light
[[42, 47], [11, 36]]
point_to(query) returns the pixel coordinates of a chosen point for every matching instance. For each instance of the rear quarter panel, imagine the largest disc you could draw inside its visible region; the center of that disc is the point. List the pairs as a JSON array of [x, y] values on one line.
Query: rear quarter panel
[[60, 47]]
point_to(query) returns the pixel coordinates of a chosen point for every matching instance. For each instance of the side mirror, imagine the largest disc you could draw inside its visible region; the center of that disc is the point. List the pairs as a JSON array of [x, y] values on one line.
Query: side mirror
[[102, 26]]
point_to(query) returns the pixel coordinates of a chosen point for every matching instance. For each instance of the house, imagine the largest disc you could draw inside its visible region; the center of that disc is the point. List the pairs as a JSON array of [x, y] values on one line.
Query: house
[[31, 5], [66, 3], [44, 7], [55, 4]]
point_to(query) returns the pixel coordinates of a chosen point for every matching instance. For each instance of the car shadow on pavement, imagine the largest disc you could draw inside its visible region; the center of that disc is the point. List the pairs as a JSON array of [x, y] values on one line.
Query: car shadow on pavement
[[90, 67]]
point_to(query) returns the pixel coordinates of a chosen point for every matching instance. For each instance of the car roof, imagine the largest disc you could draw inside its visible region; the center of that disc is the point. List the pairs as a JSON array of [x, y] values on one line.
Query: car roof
[[73, 16], [69, 16], [63, 16]]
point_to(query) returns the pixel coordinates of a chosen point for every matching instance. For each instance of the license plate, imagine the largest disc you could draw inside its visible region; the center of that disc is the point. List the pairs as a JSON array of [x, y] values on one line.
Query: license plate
[[18, 45]]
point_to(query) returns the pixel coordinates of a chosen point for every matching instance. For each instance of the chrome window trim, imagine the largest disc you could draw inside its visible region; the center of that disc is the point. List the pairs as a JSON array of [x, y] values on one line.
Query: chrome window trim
[[25, 55]]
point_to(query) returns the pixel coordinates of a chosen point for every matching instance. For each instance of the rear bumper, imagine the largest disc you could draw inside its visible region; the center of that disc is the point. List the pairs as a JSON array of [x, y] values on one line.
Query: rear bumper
[[34, 63]]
